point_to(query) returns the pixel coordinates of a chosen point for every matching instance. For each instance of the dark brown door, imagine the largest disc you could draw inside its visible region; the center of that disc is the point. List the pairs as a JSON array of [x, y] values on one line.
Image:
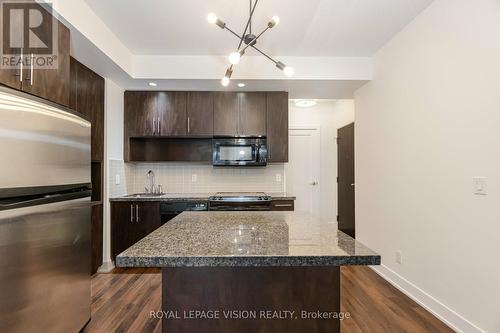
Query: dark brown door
[[96, 237], [141, 113], [146, 220], [345, 140], [277, 126], [252, 119], [226, 113], [12, 76], [172, 113], [52, 84], [200, 113], [122, 219]]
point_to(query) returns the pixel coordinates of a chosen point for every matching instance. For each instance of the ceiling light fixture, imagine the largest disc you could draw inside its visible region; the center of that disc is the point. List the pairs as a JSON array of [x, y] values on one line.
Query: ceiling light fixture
[[153, 84], [241, 85], [250, 40], [305, 103]]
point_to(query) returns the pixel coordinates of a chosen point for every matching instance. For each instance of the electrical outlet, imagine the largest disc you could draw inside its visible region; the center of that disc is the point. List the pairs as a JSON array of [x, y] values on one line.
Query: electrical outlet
[[399, 257], [194, 178], [479, 184], [117, 179], [278, 177]]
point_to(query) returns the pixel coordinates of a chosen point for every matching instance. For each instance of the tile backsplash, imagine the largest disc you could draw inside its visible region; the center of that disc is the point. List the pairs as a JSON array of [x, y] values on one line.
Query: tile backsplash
[[194, 178]]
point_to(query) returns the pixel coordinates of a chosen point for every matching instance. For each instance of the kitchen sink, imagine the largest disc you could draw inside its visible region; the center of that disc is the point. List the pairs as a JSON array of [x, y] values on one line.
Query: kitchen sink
[[144, 195]]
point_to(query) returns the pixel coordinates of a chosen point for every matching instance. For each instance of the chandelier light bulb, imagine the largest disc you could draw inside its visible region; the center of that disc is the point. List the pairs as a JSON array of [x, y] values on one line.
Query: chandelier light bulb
[[275, 20], [211, 18], [289, 71], [234, 58], [225, 81]]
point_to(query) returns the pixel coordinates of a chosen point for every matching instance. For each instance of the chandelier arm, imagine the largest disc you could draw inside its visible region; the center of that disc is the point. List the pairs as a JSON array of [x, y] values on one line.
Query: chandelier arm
[[264, 54], [234, 33], [249, 22]]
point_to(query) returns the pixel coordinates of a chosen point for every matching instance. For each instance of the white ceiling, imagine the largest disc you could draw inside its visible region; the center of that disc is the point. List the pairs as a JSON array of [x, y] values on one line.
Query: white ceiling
[[308, 27]]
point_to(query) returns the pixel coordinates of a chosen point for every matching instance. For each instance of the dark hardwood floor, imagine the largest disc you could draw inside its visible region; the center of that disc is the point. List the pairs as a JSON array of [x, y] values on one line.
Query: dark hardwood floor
[[122, 300]]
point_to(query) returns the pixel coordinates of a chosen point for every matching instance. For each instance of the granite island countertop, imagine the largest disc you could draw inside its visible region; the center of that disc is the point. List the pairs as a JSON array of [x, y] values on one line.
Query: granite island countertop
[[186, 197], [246, 239]]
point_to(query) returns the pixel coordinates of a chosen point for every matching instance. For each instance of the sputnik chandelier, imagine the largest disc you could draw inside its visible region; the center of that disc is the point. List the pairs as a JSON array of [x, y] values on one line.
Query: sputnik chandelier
[[249, 39]]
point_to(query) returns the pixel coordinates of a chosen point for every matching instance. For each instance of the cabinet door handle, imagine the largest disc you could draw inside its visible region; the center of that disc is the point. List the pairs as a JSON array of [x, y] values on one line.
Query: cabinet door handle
[[283, 205], [31, 69], [131, 213], [158, 124], [136, 213], [154, 126], [188, 126], [20, 67]]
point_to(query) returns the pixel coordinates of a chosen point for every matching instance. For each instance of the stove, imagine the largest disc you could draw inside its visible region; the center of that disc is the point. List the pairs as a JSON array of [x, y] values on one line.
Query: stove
[[239, 201]]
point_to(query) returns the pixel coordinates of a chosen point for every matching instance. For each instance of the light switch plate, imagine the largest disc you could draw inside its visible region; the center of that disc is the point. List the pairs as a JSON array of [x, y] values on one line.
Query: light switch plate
[[278, 177], [194, 178], [117, 179], [479, 185]]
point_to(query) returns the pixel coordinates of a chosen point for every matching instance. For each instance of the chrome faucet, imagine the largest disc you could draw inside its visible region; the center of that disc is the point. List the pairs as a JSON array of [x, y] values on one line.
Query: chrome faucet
[[151, 177], [153, 189]]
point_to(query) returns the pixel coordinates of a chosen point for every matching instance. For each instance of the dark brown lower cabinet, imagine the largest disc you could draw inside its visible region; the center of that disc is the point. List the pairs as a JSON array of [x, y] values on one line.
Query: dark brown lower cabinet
[[96, 236], [283, 205], [130, 222]]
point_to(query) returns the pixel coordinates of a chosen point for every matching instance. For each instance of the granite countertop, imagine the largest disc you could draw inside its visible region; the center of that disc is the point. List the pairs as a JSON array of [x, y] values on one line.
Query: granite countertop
[[244, 239], [185, 196]]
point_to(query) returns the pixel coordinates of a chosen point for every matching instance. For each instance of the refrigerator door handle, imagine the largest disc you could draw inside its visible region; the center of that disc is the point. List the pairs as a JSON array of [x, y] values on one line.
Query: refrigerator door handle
[[42, 199]]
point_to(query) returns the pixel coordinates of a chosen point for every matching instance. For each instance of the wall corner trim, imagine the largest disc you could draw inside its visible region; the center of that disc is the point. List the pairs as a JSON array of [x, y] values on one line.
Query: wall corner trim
[[454, 320]]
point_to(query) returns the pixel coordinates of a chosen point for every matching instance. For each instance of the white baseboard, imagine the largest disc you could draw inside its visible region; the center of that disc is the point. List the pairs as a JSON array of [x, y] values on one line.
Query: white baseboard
[[438, 309], [106, 267]]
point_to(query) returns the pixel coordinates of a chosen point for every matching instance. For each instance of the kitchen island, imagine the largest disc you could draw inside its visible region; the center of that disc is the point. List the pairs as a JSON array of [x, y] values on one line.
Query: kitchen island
[[249, 271]]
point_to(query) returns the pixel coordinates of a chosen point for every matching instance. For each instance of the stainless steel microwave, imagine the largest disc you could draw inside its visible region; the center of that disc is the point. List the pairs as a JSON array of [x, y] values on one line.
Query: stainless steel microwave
[[239, 151]]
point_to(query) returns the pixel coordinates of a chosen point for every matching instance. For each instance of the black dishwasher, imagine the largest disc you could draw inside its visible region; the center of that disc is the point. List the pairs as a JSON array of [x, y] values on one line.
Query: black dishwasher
[[170, 209]]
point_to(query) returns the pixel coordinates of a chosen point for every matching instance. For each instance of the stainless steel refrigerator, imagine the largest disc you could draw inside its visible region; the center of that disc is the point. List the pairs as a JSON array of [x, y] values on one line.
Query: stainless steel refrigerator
[[44, 216]]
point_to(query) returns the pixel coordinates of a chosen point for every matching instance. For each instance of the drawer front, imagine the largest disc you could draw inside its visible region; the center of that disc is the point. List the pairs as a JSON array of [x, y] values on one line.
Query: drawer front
[[282, 205]]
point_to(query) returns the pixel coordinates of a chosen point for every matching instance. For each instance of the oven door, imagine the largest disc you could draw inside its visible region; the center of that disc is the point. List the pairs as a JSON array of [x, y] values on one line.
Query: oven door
[[236, 152]]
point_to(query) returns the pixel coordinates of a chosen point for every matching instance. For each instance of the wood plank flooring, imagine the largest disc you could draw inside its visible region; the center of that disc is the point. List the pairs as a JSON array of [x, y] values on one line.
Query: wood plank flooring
[[121, 302]]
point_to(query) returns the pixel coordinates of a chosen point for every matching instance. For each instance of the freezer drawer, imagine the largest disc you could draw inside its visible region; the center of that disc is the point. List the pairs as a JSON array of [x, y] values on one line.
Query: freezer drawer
[[42, 144], [45, 267]]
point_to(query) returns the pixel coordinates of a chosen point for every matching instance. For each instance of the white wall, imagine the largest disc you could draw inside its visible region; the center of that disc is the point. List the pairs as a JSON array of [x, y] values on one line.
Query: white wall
[[113, 150], [328, 116], [425, 126]]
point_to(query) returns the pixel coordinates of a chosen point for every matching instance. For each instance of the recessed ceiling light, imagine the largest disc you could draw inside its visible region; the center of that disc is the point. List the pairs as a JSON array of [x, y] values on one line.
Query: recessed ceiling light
[[241, 84], [153, 84], [305, 103]]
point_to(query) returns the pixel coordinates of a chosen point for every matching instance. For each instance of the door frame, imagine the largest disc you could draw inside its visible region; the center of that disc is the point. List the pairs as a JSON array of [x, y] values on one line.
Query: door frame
[[316, 199]]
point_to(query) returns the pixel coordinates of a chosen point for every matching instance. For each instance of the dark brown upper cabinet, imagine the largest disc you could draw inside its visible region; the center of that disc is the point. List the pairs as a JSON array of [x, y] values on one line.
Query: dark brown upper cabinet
[[51, 84], [172, 120], [141, 113], [87, 97], [200, 113], [238, 114], [226, 113], [277, 126], [252, 113]]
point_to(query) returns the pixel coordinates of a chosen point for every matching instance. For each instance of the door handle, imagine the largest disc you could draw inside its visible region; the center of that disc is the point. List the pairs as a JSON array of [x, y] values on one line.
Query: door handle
[[32, 59], [188, 126], [131, 213], [158, 124], [353, 184], [136, 213], [154, 126], [20, 67]]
